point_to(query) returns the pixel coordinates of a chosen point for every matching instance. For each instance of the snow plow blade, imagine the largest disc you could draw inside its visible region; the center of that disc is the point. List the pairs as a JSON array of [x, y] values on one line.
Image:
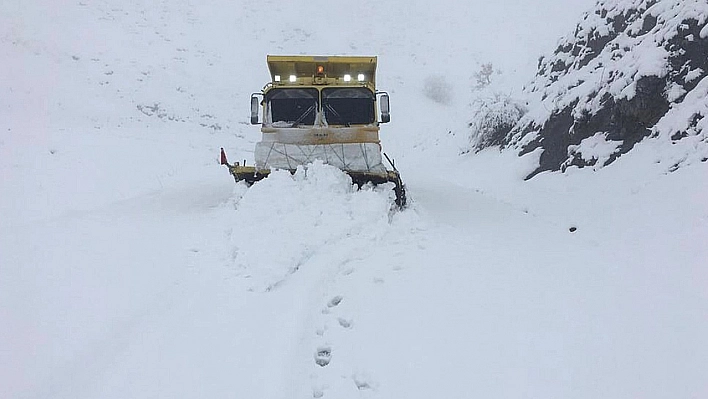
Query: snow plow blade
[[250, 175]]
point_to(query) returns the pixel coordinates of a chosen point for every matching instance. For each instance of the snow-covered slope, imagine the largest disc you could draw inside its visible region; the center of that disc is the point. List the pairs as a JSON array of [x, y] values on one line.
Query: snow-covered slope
[[131, 266], [632, 69]]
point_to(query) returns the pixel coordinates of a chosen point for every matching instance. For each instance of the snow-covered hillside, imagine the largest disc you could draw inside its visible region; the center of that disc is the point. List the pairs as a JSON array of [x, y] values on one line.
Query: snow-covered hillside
[[131, 266], [632, 69]]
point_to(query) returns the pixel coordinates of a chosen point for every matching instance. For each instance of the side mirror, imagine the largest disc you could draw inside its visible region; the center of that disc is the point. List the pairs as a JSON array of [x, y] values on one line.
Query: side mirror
[[385, 108], [255, 106]]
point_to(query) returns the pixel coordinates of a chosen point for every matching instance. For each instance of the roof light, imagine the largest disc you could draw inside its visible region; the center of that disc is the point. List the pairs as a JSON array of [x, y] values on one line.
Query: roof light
[[360, 77], [293, 78], [347, 78], [277, 78]]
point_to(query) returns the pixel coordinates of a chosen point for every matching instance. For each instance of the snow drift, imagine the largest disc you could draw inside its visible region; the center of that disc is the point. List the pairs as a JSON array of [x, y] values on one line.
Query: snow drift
[[322, 209]]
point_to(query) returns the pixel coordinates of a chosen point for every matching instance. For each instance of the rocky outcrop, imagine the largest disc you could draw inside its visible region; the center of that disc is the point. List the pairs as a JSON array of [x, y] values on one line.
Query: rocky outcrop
[[632, 70]]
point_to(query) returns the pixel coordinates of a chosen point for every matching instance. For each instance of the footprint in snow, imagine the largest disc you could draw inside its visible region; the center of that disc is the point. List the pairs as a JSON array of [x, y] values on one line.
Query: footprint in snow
[[334, 301], [362, 382], [323, 355]]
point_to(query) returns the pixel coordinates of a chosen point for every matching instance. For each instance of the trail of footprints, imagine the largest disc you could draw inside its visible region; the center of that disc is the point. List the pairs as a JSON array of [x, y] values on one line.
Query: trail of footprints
[[323, 353]]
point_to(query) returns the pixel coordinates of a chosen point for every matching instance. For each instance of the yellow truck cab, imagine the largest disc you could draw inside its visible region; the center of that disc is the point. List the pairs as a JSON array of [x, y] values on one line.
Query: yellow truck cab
[[321, 108]]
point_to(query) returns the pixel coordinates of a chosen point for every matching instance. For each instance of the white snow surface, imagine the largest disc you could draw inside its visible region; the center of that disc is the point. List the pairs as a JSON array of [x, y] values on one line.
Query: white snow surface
[[596, 147], [131, 266]]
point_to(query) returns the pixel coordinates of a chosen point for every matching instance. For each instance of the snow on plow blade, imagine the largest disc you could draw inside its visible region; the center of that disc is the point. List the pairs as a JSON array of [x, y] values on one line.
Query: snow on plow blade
[[250, 175]]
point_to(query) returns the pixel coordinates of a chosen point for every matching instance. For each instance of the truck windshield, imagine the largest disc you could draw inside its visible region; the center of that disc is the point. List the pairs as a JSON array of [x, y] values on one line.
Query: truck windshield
[[348, 106], [290, 107]]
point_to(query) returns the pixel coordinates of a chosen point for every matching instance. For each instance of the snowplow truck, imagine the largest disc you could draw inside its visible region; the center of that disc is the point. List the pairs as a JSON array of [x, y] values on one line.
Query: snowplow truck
[[321, 108]]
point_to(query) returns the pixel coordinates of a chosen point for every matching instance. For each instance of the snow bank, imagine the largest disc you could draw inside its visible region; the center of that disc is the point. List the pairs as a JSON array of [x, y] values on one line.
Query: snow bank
[[285, 219]]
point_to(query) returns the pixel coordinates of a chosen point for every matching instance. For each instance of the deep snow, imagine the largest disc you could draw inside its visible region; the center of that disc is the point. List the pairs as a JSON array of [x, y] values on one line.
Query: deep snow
[[131, 265]]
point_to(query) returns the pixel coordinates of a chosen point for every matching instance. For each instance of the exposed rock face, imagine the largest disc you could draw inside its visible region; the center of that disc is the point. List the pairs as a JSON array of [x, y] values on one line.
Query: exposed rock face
[[633, 69]]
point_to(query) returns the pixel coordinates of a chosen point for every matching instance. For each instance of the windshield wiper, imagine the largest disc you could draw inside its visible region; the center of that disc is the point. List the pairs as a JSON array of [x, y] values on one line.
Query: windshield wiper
[[304, 115], [334, 111]]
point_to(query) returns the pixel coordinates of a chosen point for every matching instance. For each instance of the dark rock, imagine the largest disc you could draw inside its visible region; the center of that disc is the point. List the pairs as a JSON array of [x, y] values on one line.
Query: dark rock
[[625, 105]]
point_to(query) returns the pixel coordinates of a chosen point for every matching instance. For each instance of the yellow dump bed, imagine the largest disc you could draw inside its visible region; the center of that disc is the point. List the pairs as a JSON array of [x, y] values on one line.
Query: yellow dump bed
[[322, 69]]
